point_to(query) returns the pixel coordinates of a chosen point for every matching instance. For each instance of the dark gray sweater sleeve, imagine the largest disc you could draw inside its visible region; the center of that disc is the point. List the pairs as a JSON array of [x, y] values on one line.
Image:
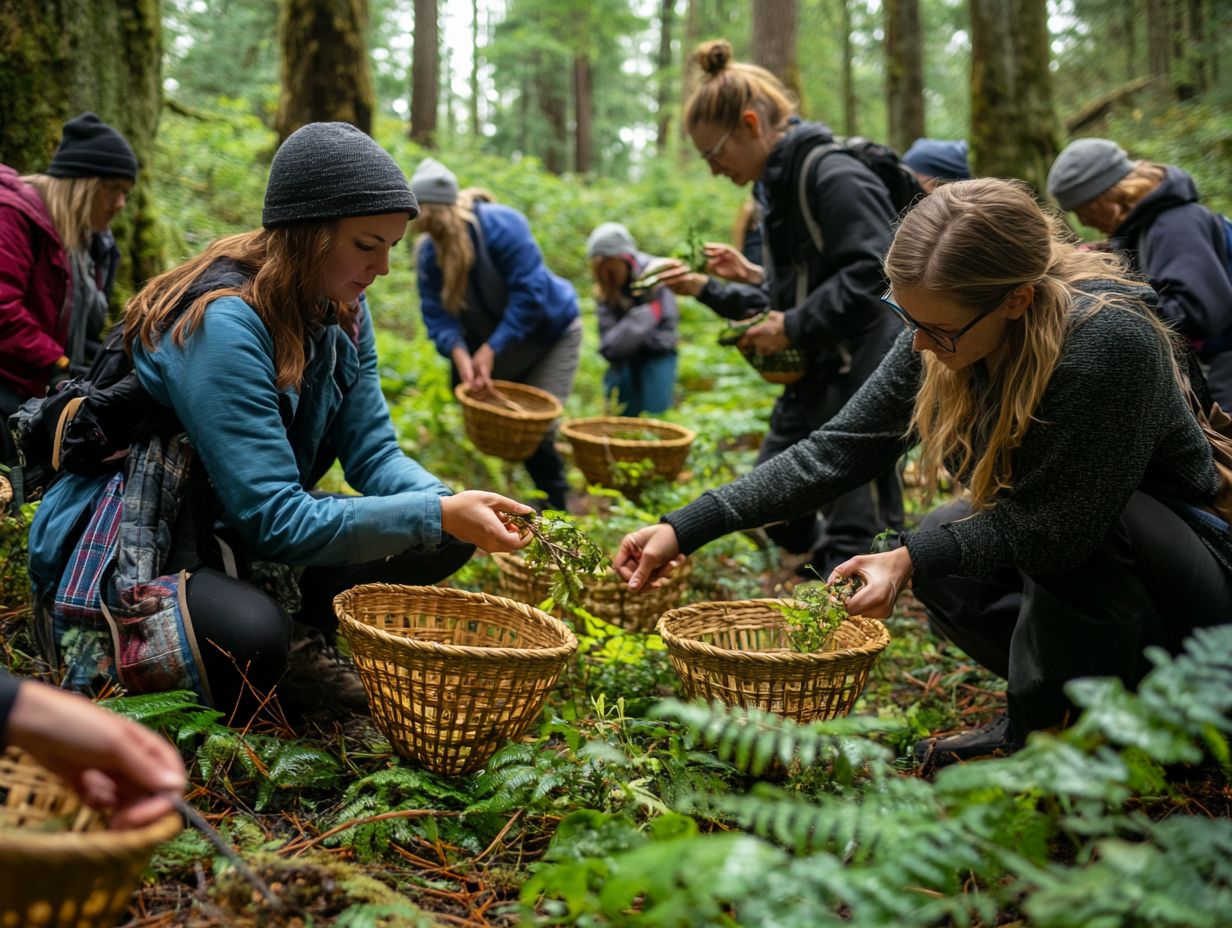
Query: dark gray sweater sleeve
[[863, 440], [8, 696], [1111, 406]]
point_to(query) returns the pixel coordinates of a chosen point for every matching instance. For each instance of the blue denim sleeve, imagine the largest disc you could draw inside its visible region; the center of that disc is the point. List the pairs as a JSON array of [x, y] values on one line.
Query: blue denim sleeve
[[221, 383]]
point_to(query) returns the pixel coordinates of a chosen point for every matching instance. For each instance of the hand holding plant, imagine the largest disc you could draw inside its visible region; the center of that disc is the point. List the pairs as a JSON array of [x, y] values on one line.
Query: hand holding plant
[[484, 520], [725, 261], [815, 612], [884, 576], [555, 543]]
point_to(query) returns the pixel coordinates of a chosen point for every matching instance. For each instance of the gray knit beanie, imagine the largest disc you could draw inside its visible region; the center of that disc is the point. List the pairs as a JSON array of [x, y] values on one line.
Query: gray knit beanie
[[434, 183], [610, 240], [331, 170], [1085, 169]]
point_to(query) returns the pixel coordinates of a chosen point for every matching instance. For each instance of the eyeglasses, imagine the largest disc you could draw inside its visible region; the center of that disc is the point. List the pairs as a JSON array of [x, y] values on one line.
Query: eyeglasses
[[713, 152], [945, 341]]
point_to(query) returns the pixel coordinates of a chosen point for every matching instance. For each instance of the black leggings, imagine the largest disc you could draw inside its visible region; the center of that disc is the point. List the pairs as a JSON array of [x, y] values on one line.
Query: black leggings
[[1151, 582], [232, 617]]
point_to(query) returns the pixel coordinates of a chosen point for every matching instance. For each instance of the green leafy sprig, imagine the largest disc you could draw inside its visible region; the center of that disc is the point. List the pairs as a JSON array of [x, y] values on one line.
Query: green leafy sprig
[[560, 546], [816, 612]]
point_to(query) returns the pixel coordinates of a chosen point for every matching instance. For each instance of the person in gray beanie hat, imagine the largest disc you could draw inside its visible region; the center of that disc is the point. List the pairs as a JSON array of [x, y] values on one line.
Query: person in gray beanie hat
[[1152, 215], [609, 240], [434, 183], [263, 352], [331, 170]]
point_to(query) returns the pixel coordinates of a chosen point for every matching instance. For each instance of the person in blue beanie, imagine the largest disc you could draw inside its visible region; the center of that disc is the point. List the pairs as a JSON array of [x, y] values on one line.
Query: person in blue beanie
[[490, 304], [637, 327], [1151, 214], [205, 560], [935, 161]]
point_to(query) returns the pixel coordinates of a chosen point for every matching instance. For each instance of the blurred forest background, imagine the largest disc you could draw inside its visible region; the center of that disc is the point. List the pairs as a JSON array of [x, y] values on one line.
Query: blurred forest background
[[515, 94]]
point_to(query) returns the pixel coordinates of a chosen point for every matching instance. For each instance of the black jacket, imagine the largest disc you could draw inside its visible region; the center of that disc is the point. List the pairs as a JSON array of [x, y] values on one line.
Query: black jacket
[[1179, 245], [8, 695], [845, 279]]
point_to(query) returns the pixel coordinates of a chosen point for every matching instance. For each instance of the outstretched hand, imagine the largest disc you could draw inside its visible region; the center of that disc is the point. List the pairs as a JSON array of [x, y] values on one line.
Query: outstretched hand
[[111, 762], [884, 577], [678, 278], [482, 519], [726, 262], [766, 337], [647, 555]]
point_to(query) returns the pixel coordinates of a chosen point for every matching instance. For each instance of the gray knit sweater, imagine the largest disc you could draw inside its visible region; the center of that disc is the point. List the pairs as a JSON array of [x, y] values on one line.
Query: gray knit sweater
[[1112, 420]]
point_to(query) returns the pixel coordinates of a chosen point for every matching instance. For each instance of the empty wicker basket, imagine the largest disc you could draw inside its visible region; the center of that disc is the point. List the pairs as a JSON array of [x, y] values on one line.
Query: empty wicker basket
[[59, 865], [608, 597], [737, 653], [511, 423], [451, 676], [604, 441]]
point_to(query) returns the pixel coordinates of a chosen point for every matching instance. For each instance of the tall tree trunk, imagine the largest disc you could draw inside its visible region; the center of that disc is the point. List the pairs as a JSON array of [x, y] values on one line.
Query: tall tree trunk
[[1013, 125], [425, 74], [552, 105], [850, 104], [583, 116], [688, 71], [774, 41], [663, 95], [474, 101], [1158, 44], [58, 60], [904, 68], [325, 74]]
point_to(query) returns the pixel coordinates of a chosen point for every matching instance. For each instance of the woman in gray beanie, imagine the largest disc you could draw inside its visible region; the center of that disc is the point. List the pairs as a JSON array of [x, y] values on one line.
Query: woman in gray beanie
[[56, 243], [490, 304], [1150, 212], [637, 326], [263, 348]]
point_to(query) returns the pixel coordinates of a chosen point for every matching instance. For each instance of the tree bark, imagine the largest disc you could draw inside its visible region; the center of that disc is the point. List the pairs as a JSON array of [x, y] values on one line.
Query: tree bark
[[667, 10], [904, 67], [58, 60], [425, 74], [1158, 45], [553, 106], [474, 101], [1013, 124], [325, 73], [688, 72], [850, 104], [582, 104], [774, 41]]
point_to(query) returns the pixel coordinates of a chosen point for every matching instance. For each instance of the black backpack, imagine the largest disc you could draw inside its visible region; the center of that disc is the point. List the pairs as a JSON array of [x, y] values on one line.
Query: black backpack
[[87, 424]]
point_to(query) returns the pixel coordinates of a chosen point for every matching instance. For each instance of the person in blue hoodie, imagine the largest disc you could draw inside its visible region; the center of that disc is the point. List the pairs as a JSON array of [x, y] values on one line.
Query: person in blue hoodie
[[937, 161], [1150, 212], [490, 304], [182, 566], [637, 327]]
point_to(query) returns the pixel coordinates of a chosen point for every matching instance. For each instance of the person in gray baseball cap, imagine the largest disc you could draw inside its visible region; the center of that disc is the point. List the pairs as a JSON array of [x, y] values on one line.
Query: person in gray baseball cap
[[263, 349], [1151, 213]]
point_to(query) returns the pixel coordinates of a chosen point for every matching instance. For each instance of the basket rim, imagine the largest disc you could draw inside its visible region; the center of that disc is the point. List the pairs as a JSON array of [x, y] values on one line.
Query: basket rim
[[574, 430], [461, 393], [84, 845], [873, 645], [350, 625]]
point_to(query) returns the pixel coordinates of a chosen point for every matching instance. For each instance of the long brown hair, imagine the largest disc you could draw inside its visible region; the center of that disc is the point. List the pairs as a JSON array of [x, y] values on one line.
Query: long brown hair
[[974, 241], [728, 88], [446, 224], [283, 288]]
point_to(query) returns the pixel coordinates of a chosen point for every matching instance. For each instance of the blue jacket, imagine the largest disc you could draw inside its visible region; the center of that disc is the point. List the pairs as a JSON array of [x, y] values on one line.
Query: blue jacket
[[534, 305], [265, 448]]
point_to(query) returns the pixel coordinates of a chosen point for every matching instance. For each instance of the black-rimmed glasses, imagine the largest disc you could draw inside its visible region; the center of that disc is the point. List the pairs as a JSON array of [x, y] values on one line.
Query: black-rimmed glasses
[[944, 340]]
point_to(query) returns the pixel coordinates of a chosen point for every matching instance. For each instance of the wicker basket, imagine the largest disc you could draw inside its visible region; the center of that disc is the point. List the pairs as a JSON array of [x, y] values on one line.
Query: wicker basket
[[784, 367], [59, 865], [737, 653], [608, 597], [451, 676], [511, 429], [598, 444]]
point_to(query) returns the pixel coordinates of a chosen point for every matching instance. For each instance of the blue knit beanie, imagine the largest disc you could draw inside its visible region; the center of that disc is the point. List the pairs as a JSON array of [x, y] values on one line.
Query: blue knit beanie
[[940, 158]]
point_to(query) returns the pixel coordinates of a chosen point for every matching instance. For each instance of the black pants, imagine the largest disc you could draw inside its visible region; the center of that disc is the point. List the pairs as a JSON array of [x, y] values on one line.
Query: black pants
[[233, 616], [1151, 582], [9, 404], [850, 521]]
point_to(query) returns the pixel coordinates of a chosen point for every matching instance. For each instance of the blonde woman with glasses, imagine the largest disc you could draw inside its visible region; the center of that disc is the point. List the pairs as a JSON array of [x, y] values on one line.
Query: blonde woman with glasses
[[1040, 376]]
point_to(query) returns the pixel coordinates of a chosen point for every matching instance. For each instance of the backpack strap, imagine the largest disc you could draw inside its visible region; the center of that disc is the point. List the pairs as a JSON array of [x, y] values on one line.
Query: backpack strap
[[810, 221]]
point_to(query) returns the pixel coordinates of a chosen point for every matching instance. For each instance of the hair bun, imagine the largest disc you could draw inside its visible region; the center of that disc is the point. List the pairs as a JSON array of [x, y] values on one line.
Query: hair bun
[[713, 57]]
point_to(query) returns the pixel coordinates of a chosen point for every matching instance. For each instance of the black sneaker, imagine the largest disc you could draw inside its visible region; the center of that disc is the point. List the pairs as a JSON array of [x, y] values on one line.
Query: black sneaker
[[993, 739], [318, 677]]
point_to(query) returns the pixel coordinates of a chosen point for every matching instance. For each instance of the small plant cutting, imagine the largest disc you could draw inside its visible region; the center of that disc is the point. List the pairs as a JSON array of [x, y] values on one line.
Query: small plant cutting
[[692, 253], [563, 548], [816, 613]]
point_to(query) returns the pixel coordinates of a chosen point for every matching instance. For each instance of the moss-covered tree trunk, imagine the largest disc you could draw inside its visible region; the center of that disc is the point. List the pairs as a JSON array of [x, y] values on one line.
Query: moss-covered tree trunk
[[425, 74], [1013, 124], [325, 73], [904, 70], [64, 58], [774, 42]]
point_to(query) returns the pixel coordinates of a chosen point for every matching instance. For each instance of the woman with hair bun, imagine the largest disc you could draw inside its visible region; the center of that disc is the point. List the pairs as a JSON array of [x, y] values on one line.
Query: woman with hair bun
[[822, 289], [1041, 378]]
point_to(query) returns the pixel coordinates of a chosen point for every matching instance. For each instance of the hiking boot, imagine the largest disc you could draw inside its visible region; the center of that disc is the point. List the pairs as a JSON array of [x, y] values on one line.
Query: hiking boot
[[993, 739], [318, 677]]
